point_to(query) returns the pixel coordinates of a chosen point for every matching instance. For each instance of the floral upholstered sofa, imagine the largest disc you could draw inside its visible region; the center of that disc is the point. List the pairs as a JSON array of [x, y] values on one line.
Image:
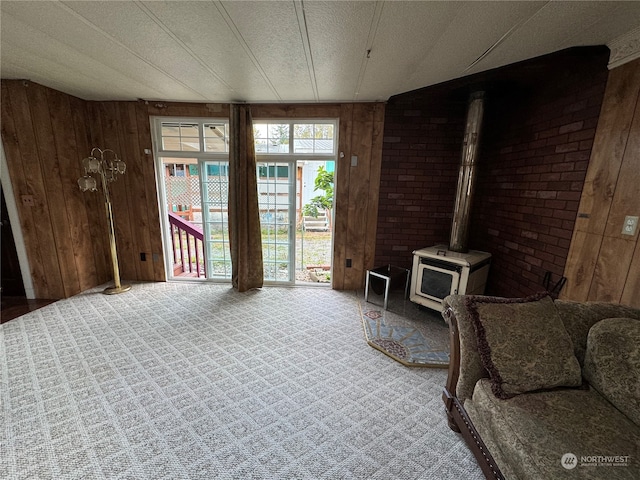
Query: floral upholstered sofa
[[543, 389]]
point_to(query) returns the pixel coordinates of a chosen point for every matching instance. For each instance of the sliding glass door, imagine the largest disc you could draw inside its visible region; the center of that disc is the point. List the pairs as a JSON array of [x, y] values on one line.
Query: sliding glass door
[[295, 165], [276, 192], [296, 161], [192, 165]]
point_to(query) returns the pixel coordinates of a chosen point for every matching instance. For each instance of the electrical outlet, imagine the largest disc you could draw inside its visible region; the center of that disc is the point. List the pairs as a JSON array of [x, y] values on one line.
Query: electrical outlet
[[348, 263], [28, 200], [143, 257], [630, 225], [156, 257]]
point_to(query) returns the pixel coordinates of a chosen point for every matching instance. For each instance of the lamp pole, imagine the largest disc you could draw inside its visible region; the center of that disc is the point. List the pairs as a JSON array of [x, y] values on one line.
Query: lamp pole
[[108, 165]]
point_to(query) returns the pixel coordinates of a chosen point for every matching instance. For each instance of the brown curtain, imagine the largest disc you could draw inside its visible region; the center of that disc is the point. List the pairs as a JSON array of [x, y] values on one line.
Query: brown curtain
[[244, 217]]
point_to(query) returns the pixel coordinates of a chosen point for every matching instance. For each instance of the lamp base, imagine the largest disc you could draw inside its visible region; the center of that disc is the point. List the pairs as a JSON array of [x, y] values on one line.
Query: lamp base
[[114, 290]]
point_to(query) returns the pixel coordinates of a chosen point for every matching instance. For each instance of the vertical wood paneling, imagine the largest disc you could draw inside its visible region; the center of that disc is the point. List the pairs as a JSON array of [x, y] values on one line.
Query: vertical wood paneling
[[46, 134], [75, 213], [50, 285], [341, 200], [149, 180], [581, 262], [600, 257], [90, 203], [358, 194], [374, 182], [13, 110], [54, 188], [120, 194], [137, 191], [137, 195], [626, 198], [612, 269], [631, 292], [609, 146]]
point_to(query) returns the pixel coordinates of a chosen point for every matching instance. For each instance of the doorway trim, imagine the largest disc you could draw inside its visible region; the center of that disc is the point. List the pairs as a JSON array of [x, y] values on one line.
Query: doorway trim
[[16, 227]]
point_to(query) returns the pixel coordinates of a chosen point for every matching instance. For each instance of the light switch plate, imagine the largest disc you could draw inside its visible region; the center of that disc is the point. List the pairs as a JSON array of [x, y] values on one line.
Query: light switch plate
[[630, 225]]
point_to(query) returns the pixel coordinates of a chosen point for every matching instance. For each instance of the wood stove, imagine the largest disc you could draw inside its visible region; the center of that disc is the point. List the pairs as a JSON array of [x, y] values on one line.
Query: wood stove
[[443, 270], [438, 272]]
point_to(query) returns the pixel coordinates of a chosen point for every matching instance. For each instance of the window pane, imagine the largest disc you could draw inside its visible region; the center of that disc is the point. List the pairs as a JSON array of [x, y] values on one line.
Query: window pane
[[171, 143], [170, 130], [216, 137], [215, 145], [187, 130], [271, 137], [278, 138], [303, 130], [323, 146], [303, 145], [261, 145], [324, 130], [274, 203], [216, 193], [180, 137], [313, 138], [190, 144], [260, 130]]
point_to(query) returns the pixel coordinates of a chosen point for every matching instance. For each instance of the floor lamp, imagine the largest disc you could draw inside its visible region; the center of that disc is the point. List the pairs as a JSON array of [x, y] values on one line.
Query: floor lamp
[[109, 166]]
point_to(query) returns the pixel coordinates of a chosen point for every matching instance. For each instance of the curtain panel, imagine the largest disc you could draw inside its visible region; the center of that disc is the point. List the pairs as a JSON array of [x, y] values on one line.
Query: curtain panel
[[245, 237]]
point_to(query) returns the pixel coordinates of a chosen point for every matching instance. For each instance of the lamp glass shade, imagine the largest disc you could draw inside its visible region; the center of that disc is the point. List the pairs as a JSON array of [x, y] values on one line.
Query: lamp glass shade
[[87, 183], [91, 164]]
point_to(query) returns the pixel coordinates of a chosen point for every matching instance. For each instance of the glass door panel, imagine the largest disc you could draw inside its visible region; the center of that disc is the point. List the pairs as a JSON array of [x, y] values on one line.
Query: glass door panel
[[315, 180], [276, 192], [215, 198], [183, 202]]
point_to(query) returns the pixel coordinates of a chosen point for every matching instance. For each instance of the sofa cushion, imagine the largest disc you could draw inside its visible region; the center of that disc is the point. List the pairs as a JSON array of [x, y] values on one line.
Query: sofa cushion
[[523, 344], [579, 317], [528, 434], [612, 363]]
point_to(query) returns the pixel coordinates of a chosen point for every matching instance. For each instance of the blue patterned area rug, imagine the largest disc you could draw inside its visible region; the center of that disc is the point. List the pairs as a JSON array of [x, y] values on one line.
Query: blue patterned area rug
[[414, 342]]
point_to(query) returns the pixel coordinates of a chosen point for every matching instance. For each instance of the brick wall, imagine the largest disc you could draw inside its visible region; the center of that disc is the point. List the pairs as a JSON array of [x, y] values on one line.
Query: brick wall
[[539, 125], [420, 159], [536, 150]]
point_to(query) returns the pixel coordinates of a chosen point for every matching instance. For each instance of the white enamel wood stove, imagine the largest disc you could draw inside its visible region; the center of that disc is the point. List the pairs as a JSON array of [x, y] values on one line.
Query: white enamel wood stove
[[438, 272]]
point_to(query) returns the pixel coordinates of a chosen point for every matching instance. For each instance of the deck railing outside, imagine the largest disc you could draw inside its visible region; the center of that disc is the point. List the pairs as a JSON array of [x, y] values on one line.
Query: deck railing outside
[[188, 247]]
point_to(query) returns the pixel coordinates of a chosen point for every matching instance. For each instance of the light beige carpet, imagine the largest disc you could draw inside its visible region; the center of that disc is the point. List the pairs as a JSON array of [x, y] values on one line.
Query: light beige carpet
[[198, 381]]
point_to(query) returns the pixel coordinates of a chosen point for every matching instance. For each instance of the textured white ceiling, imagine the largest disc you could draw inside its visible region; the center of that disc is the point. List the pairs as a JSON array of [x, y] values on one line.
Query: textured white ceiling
[[285, 51]]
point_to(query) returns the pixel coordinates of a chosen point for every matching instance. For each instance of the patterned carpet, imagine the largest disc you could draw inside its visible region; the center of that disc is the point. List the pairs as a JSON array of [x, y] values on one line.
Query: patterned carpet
[[410, 334], [197, 381]]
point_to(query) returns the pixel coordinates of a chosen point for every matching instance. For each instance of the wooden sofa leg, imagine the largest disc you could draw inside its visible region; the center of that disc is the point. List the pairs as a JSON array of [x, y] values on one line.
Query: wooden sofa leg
[[452, 423], [460, 422], [448, 407]]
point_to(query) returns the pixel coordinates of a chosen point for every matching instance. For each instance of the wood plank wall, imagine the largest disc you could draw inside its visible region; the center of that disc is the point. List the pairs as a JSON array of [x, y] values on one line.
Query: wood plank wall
[[604, 264], [46, 134]]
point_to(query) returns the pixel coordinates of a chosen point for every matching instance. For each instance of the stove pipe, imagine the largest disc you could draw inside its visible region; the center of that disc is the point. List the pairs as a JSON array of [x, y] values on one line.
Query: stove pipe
[[459, 239]]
